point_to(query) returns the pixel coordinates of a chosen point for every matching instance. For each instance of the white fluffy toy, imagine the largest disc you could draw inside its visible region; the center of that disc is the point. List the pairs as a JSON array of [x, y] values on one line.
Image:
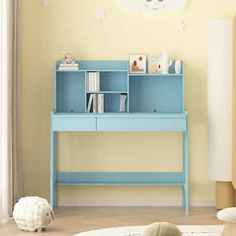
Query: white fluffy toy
[[33, 214]]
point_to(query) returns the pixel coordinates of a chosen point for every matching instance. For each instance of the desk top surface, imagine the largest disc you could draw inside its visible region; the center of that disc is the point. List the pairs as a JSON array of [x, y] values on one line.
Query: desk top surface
[[124, 115]]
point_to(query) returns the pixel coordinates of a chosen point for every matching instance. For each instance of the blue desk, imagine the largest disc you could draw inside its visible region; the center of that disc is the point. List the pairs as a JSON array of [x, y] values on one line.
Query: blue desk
[[116, 122]]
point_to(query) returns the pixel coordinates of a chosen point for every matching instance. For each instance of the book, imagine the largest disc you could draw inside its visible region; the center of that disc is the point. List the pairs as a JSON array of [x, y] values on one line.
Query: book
[[94, 103], [69, 65], [123, 98], [100, 100], [90, 103], [68, 68], [97, 81], [88, 84], [92, 81]]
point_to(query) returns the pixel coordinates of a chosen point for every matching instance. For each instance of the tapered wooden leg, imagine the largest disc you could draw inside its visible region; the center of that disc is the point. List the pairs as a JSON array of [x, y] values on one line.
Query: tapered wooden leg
[[229, 230], [225, 195]]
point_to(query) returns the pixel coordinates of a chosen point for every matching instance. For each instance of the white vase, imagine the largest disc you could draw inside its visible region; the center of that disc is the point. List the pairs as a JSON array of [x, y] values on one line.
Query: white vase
[[165, 62], [178, 64]]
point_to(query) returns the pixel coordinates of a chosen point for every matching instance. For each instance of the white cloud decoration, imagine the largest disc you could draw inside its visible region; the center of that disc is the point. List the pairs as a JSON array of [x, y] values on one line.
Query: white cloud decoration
[[155, 7]]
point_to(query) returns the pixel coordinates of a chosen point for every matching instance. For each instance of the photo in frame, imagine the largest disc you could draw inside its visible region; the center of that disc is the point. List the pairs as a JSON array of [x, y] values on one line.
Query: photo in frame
[[138, 64], [155, 64]]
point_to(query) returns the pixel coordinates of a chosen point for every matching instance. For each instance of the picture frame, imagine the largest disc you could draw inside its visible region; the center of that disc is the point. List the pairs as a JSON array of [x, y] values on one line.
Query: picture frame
[[138, 64], [155, 64]]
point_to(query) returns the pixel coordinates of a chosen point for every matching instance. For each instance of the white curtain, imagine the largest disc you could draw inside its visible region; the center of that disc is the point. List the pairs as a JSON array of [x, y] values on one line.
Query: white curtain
[[10, 147]]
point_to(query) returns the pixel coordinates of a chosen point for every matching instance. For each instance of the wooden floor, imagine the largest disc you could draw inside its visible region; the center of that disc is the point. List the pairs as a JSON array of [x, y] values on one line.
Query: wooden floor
[[71, 220]]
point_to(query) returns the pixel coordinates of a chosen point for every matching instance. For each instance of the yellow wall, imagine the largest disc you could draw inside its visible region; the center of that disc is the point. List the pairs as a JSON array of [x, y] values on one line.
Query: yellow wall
[[72, 24]]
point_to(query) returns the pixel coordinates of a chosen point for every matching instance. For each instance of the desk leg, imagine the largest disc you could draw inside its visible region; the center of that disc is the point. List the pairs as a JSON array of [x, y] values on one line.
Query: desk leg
[[53, 169], [185, 188]]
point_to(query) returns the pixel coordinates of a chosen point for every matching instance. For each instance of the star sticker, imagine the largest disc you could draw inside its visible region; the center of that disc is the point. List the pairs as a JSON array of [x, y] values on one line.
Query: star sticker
[[45, 3], [100, 15], [180, 25]]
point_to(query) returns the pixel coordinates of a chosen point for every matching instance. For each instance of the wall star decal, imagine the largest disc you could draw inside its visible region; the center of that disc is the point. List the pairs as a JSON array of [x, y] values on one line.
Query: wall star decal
[[100, 15], [180, 25]]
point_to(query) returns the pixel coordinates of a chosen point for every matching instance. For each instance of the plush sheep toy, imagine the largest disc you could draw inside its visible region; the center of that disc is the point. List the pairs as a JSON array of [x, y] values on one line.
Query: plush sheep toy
[[33, 214]]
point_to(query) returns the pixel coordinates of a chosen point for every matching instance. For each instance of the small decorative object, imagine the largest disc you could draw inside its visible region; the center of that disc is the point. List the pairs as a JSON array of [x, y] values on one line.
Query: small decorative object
[[100, 15], [228, 215], [180, 25], [155, 64], [154, 7], [137, 64], [178, 66], [33, 214], [68, 62], [68, 57], [45, 3], [161, 229]]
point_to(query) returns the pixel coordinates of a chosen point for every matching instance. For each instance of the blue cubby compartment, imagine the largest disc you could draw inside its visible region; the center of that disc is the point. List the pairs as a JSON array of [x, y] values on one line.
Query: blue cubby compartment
[[156, 93], [112, 102], [70, 89], [114, 81]]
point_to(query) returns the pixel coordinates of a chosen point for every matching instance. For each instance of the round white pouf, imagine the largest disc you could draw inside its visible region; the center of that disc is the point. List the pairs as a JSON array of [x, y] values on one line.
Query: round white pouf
[[228, 215], [161, 229]]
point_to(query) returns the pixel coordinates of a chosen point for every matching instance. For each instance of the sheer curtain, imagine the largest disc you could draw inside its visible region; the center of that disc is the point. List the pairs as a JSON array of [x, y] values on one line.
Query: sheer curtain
[[11, 186]]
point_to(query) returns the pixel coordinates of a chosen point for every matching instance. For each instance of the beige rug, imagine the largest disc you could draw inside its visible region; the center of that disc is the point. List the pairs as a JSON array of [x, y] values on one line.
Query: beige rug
[[187, 230]]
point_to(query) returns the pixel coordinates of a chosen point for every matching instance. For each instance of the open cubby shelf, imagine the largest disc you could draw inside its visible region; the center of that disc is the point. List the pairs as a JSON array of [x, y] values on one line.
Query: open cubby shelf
[[145, 92], [70, 92]]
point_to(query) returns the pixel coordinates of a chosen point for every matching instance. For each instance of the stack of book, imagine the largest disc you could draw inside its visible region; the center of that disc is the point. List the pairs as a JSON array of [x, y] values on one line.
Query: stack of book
[[93, 81], [96, 103], [69, 67]]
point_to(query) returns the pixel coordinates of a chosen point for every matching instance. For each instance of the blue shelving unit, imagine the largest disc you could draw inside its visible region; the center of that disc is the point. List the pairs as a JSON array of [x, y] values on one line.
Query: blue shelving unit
[[155, 103]]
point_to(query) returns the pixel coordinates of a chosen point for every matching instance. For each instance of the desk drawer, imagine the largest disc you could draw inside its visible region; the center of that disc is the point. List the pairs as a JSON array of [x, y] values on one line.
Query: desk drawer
[[74, 123], [141, 124]]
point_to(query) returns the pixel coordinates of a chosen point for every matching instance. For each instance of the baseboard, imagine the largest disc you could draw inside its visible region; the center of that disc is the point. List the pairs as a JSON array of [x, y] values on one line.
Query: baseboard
[[199, 203]]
